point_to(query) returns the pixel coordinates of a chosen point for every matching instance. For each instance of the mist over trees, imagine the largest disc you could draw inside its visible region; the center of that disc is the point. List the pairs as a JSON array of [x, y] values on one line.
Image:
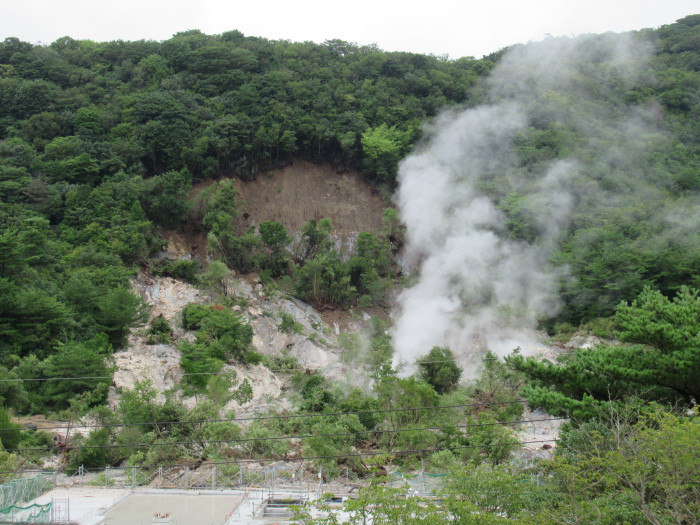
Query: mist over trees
[[562, 193]]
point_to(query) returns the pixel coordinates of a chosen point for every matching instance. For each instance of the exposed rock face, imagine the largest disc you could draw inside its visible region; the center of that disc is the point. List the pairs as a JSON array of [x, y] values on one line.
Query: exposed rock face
[[268, 340], [160, 364], [166, 296], [315, 348]]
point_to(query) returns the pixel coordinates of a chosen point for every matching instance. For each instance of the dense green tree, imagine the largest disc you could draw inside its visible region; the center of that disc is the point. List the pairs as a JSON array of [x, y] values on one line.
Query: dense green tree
[[324, 281], [152, 70], [662, 366], [86, 361], [225, 332], [383, 147], [10, 433], [370, 268], [95, 453], [216, 278], [219, 212], [222, 336], [274, 258], [192, 315], [625, 466], [100, 143], [341, 442], [13, 395], [439, 369], [118, 311], [165, 198], [198, 363], [623, 472], [325, 278], [31, 320], [498, 387], [395, 392], [220, 389], [315, 239]]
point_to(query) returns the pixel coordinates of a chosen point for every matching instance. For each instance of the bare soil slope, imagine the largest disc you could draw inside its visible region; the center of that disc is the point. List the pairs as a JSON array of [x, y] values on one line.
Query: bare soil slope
[[303, 191]]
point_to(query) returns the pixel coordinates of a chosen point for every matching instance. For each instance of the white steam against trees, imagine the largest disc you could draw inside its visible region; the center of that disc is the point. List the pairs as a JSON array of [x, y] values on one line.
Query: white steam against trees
[[476, 286]]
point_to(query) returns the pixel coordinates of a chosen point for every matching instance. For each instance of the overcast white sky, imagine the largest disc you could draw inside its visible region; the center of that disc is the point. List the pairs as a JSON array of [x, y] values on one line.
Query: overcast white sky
[[454, 27]]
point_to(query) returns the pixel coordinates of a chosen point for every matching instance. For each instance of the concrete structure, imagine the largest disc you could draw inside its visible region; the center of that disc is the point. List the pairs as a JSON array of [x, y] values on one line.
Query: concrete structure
[[127, 506]]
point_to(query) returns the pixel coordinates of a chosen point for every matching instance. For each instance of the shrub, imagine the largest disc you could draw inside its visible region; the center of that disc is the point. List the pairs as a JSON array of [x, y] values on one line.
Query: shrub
[[192, 315], [439, 369], [289, 325], [280, 363], [160, 330], [186, 270]]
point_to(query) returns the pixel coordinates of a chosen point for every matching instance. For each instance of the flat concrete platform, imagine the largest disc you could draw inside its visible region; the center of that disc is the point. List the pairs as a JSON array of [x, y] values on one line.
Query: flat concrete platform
[[127, 506], [176, 508], [86, 504]]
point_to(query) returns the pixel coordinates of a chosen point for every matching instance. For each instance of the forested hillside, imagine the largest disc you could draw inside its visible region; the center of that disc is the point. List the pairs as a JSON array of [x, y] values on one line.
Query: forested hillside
[[101, 143]]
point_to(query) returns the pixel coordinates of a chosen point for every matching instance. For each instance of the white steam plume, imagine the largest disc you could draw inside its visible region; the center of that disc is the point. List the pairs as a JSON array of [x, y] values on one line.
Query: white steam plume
[[476, 286]]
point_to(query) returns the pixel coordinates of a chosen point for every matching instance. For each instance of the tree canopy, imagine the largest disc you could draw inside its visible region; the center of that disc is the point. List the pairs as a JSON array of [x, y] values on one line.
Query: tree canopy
[[662, 364]]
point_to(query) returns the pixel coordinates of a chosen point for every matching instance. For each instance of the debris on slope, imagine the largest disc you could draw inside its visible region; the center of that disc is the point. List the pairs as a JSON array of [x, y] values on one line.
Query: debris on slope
[[166, 296], [540, 435], [315, 347], [159, 363]]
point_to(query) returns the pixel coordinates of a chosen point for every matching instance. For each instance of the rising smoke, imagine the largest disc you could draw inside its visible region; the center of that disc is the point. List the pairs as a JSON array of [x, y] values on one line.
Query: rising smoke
[[476, 287]]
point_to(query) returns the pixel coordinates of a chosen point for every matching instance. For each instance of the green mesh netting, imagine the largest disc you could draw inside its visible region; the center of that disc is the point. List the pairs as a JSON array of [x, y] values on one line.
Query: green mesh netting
[[30, 514]]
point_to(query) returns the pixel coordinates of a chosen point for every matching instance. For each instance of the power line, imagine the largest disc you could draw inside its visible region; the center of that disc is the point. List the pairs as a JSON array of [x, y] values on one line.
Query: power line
[[277, 438], [81, 378], [53, 379], [307, 458], [289, 416]]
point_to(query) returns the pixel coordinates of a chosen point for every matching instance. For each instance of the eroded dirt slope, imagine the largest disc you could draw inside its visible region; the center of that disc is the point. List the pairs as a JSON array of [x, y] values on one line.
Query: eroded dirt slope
[[293, 195], [303, 191]]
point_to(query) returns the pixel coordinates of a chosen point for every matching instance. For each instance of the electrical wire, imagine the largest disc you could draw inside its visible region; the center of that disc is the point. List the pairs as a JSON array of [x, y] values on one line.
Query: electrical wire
[[277, 438], [81, 378], [288, 416], [307, 458]]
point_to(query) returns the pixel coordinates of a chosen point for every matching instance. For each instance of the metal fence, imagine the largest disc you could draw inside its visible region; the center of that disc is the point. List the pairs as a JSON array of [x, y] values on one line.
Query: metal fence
[[420, 483], [268, 490], [24, 489], [285, 476]]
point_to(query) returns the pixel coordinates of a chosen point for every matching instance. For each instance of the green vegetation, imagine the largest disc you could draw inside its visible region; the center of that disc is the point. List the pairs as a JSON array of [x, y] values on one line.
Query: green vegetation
[[618, 472], [160, 331], [662, 366], [289, 325], [221, 337], [100, 143], [439, 370], [325, 279]]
